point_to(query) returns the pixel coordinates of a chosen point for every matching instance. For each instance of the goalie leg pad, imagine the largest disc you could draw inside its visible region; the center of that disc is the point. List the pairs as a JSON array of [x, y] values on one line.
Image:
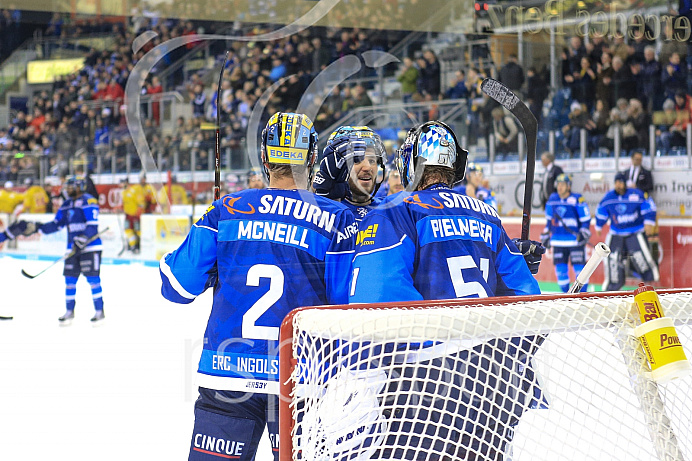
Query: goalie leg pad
[[229, 425]]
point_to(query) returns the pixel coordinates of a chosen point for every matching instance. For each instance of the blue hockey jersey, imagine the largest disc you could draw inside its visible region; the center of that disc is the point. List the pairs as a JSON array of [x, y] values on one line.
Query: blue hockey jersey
[[627, 213], [359, 211], [81, 218], [265, 252], [483, 194], [564, 218], [436, 244]]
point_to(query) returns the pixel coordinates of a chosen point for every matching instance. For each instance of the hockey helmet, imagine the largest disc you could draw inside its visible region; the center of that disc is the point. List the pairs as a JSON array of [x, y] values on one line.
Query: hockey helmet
[[78, 183], [563, 177], [372, 141], [431, 144], [474, 168], [289, 139]]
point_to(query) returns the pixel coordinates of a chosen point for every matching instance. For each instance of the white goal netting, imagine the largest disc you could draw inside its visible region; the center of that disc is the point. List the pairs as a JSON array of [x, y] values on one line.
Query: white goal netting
[[537, 379]]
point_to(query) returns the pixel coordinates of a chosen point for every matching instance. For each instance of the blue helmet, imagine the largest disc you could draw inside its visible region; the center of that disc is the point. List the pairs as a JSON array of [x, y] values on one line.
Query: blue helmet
[[372, 141], [431, 144], [77, 182], [289, 139], [563, 177]]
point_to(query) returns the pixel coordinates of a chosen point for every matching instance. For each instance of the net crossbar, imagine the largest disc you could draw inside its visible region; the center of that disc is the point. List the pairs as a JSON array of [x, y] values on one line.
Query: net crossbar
[[526, 378]]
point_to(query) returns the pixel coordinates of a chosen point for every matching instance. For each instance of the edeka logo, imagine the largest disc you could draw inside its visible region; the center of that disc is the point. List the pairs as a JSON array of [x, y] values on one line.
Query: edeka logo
[[370, 232], [227, 449], [229, 204], [415, 200], [684, 239], [286, 155]]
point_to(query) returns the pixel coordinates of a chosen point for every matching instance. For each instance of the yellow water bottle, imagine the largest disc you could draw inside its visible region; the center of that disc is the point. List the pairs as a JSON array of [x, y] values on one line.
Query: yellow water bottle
[[658, 338]]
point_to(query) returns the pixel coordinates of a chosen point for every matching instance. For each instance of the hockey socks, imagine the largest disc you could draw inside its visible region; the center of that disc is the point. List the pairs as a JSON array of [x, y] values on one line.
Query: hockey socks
[[95, 284], [70, 292]]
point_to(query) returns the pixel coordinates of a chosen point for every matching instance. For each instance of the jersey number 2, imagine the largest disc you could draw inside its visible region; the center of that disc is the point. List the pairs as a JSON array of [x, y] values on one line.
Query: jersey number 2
[[276, 289], [464, 289]]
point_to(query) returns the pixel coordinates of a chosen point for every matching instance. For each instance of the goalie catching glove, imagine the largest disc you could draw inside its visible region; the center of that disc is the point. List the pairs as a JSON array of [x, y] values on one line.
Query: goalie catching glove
[[533, 252], [331, 180]]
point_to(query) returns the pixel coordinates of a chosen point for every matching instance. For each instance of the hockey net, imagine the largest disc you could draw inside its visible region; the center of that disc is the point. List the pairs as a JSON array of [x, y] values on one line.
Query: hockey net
[[524, 378]]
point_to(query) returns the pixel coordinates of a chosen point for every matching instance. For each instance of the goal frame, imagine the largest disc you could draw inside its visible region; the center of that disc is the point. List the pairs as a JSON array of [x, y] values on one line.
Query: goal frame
[[287, 361]]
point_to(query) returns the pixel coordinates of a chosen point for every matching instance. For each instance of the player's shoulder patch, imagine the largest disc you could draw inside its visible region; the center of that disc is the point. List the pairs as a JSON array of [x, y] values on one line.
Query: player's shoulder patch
[[634, 197], [572, 200], [580, 199], [92, 201]]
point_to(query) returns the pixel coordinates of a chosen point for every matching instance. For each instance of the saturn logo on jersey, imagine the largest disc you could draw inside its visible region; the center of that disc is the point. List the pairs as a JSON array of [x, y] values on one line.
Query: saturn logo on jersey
[[229, 203], [223, 448], [415, 200]]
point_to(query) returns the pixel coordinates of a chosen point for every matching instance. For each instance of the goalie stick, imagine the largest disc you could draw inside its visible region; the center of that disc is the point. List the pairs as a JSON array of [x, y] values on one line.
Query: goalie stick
[[217, 153], [512, 103], [67, 256], [600, 251], [3, 317]]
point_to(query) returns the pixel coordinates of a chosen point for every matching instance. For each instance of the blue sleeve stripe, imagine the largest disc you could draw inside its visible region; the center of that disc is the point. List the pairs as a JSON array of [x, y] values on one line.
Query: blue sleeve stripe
[[382, 249], [585, 219], [175, 284], [91, 223]]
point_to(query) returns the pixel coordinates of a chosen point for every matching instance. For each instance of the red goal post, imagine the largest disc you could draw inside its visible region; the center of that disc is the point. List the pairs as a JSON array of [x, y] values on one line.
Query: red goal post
[[527, 377]]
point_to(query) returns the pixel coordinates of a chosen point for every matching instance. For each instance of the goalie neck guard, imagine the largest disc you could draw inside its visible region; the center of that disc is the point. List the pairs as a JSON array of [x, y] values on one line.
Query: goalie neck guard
[[430, 144], [289, 139], [372, 141]]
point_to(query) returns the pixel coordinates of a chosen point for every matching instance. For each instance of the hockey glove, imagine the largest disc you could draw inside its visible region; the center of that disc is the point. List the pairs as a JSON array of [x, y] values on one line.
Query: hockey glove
[[545, 239], [533, 252], [584, 236], [331, 180], [21, 228], [79, 242]]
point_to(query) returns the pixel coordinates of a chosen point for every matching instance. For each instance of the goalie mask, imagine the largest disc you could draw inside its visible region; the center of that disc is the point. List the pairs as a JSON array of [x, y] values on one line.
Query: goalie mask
[[373, 143], [289, 139], [430, 144]]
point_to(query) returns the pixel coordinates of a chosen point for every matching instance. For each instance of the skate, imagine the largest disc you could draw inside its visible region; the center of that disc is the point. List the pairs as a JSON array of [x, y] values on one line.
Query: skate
[[66, 319], [98, 317]]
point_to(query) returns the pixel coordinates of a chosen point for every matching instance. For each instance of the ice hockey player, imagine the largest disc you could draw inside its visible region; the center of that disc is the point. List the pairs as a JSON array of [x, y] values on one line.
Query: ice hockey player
[[474, 186], [352, 159], [265, 252], [631, 216], [137, 200], [79, 213], [567, 230], [438, 244]]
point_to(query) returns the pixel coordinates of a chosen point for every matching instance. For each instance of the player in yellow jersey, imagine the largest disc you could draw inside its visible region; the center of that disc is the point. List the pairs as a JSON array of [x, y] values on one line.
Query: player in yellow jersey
[[35, 198], [137, 200], [9, 199], [178, 196]]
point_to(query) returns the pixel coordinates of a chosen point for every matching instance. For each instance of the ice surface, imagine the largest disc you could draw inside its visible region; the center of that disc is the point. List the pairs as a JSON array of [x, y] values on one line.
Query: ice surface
[[124, 390]]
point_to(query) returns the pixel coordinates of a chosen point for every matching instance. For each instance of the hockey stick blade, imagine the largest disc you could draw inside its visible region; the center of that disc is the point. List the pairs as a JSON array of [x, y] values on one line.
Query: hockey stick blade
[[600, 252], [68, 255], [512, 103], [3, 317]]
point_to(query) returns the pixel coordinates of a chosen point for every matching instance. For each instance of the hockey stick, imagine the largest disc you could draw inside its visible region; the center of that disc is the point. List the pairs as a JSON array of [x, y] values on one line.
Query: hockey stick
[[67, 256], [576, 234], [217, 153], [512, 103], [601, 251], [2, 317]]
